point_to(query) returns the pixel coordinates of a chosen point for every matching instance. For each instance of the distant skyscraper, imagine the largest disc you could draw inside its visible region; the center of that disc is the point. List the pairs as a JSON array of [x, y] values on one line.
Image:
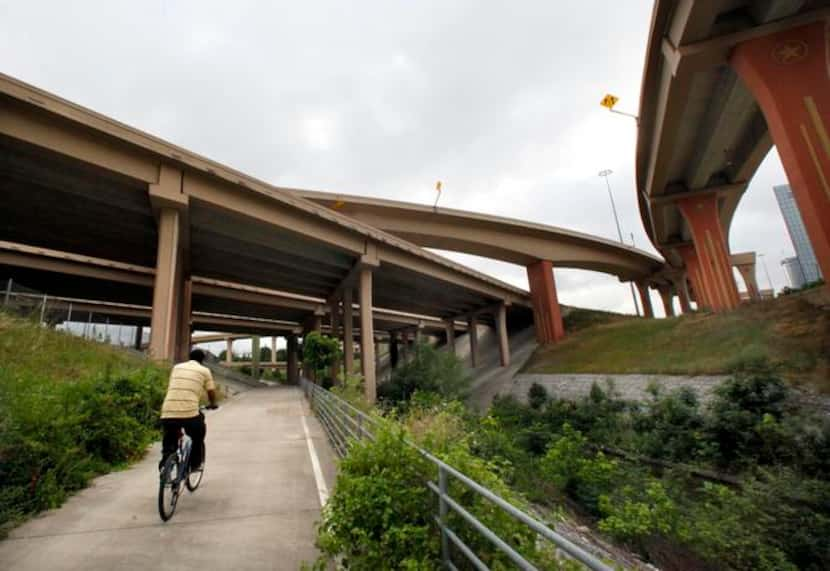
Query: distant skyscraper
[[807, 262]]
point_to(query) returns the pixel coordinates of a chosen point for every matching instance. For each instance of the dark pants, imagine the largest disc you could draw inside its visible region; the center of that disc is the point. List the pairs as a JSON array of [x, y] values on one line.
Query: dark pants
[[195, 428]]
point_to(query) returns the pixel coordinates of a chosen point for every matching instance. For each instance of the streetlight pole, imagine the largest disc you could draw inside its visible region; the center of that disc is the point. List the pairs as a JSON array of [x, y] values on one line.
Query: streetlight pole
[[605, 174], [766, 271]]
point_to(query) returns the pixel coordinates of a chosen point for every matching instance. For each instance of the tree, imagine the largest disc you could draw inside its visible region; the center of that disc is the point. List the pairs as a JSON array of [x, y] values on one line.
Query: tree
[[319, 353]]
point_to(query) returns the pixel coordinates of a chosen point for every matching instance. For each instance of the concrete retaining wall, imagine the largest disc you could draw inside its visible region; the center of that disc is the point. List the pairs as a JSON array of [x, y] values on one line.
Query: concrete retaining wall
[[629, 387]]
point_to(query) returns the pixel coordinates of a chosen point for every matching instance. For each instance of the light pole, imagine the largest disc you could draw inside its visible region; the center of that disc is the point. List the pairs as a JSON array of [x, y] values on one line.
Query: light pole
[[605, 174], [766, 271]]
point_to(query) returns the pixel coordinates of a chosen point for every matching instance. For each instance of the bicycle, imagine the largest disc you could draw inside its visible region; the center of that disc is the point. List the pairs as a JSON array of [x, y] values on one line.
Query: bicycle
[[177, 471]]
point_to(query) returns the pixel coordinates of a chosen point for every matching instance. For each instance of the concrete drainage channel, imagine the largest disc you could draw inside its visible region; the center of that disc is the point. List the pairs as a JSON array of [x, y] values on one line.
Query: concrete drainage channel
[[344, 423]]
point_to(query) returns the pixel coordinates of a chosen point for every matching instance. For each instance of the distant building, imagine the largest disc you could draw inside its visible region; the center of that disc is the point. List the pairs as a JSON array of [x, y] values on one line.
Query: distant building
[[794, 274], [806, 265]]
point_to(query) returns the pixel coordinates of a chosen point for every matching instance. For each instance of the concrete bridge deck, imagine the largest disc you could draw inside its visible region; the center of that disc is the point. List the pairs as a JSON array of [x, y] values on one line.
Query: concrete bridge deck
[[255, 509]]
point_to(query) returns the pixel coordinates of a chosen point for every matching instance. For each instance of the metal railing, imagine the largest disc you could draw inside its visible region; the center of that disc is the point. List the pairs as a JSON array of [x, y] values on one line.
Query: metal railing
[[343, 424]]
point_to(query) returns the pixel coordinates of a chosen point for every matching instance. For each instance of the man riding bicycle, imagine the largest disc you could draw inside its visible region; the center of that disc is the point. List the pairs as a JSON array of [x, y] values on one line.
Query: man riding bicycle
[[188, 382]]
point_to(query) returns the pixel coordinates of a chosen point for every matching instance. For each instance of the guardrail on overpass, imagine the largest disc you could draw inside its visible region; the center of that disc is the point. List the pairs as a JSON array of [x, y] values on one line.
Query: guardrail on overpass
[[345, 424]]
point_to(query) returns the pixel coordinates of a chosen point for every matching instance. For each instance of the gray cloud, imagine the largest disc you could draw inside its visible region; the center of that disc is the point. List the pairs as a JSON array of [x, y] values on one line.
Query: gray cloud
[[498, 100]]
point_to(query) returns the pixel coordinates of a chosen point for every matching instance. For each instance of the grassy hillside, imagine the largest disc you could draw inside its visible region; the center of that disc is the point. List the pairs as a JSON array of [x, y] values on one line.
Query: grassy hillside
[[790, 333], [69, 409]]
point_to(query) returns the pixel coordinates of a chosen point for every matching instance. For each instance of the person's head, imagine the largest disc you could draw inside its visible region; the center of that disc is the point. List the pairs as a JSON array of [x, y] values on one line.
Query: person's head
[[197, 355]]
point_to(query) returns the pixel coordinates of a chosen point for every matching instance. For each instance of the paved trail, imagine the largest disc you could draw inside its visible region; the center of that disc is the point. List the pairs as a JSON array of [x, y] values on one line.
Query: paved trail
[[255, 509]]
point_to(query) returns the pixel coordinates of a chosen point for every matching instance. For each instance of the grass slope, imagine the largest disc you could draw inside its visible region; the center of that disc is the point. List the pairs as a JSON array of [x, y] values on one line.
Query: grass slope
[[27, 350], [69, 409], [790, 333]]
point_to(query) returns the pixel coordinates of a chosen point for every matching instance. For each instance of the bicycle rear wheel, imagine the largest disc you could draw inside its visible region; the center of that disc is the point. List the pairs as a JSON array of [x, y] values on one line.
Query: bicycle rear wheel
[[194, 477], [169, 486]]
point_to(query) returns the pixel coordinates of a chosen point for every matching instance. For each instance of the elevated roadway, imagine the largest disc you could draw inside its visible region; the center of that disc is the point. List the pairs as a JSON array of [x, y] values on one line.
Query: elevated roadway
[[538, 247], [163, 227], [724, 80]]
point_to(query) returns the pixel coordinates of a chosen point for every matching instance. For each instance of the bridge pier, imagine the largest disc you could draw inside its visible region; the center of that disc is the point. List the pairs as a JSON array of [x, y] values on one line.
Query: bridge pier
[[501, 329], [255, 354], [681, 286], [747, 271], [292, 367], [787, 72], [687, 252], [645, 299], [393, 350], [547, 316], [450, 330], [228, 351], [667, 297], [165, 323], [714, 268], [367, 335], [472, 333], [348, 333], [335, 333]]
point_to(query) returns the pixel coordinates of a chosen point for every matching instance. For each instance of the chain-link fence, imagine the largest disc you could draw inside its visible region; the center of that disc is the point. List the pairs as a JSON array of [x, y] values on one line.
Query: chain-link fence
[[72, 315]]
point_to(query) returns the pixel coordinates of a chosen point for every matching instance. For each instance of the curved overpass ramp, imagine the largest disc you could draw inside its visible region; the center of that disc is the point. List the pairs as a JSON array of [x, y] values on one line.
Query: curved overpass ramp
[[495, 237], [537, 247], [723, 82]]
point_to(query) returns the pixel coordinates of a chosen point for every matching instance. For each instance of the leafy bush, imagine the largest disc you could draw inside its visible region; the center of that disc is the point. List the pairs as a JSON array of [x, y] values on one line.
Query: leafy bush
[[429, 371], [381, 514], [537, 396], [742, 419], [671, 427], [320, 352], [55, 436]]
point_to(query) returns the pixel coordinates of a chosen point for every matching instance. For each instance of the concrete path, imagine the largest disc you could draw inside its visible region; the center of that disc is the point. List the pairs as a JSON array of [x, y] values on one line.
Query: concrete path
[[256, 507]]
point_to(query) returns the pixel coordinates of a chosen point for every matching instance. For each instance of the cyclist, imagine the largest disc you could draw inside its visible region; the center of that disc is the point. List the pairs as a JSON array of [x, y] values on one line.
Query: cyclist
[[188, 382]]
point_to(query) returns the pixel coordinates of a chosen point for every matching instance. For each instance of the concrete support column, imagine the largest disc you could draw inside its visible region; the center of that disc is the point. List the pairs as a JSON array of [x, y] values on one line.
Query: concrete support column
[[165, 320], [228, 350], [645, 300], [472, 332], [668, 299], [682, 289], [702, 215], [292, 369], [334, 311], [185, 332], [139, 337], [348, 333], [501, 329], [255, 356], [747, 272], [693, 271], [393, 350], [367, 336], [787, 72], [450, 328], [273, 350], [547, 315]]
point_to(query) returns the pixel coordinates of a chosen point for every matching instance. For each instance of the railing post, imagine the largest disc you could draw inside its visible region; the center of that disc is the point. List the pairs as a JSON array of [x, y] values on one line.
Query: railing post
[[8, 296], [442, 515]]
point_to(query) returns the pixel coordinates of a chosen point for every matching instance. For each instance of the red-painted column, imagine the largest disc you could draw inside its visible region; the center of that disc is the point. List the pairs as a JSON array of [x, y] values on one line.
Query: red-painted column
[[547, 315], [789, 75], [645, 299], [667, 297], [693, 271], [715, 269]]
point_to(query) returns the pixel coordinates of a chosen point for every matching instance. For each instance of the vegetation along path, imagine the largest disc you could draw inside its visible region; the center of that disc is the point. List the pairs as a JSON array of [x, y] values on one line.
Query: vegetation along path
[[255, 509]]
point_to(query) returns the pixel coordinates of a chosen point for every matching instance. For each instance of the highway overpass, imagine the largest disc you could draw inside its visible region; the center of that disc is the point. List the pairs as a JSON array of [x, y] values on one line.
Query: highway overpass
[[98, 210], [724, 80]]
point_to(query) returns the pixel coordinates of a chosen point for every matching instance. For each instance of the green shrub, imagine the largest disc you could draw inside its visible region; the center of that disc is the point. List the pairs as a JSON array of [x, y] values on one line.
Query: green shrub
[[537, 396], [320, 352], [380, 514], [429, 371], [671, 427], [741, 418], [55, 436]]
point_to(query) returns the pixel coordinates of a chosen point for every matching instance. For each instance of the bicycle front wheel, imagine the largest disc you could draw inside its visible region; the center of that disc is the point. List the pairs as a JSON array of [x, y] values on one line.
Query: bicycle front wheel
[[169, 486]]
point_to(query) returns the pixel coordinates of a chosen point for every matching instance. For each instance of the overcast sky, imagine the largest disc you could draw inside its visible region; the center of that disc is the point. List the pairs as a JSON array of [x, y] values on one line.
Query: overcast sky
[[499, 100]]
